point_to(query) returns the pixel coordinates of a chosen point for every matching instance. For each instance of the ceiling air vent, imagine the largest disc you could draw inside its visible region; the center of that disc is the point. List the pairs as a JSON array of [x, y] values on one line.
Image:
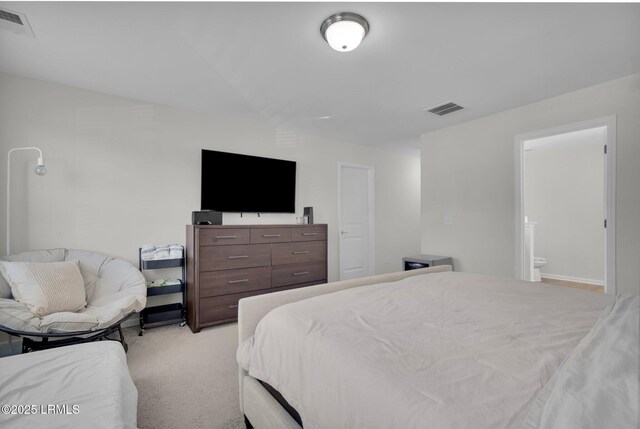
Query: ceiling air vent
[[444, 109], [15, 22]]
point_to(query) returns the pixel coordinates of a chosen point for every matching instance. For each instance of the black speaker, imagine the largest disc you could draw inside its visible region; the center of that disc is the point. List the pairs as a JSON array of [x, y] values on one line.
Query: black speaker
[[206, 217], [308, 212]]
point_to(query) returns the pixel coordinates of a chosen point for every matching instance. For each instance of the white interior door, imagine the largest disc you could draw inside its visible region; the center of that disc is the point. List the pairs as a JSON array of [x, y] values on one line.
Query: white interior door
[[356, 221]]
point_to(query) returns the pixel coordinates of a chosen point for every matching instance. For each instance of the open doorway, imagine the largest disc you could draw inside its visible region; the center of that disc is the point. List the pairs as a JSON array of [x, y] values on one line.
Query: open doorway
[[564, 205]]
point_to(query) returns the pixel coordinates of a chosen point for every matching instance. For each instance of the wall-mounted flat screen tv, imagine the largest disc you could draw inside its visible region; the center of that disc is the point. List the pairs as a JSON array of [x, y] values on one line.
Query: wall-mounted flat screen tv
[[238, 183]]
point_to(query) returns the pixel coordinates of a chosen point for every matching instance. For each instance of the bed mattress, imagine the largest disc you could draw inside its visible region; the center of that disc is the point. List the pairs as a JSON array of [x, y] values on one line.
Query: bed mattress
[[80, 386], [442, 350]]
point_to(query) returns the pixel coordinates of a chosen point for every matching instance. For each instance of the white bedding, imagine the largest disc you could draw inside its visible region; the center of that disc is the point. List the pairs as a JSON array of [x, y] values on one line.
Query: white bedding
[[441, 350], [597, 386], [92, 376]]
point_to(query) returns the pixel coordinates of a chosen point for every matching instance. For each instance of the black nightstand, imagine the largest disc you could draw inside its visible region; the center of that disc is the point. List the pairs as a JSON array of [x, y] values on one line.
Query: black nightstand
[[424, 261]]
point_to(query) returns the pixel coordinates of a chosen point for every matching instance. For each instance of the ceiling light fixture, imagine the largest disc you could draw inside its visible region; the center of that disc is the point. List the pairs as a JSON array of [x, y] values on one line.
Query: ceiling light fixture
[[344, 31]]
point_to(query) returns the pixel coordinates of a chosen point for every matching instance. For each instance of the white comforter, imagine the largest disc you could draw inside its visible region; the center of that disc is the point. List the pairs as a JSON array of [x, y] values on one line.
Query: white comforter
[[597, 386], [90, 384], [443, 350]]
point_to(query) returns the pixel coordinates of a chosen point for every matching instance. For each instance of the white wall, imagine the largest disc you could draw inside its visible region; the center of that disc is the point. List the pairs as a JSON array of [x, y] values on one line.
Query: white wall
[[468, 179], [123, 173], [564, 195]]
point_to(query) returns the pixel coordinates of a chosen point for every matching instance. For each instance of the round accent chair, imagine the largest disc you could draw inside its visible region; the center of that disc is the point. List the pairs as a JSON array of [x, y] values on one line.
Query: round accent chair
[[114, 290]]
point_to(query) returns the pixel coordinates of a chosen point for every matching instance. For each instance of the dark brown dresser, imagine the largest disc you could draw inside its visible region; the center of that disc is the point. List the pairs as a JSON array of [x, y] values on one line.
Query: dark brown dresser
[[229, 262]]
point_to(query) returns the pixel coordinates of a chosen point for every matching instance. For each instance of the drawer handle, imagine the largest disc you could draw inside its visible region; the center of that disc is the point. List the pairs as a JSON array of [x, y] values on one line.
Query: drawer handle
[[301, 252], [238, 257], [271, 235], [231, 282], [309, 233], [222, 237], [301, 273], [233, 306]]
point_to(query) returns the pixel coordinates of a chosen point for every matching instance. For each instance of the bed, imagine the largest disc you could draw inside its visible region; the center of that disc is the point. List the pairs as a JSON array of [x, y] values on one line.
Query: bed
[[438, 349], [79, 386]]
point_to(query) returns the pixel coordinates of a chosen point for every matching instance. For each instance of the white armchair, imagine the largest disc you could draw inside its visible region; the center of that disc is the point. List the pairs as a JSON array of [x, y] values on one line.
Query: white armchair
[[114, 289]]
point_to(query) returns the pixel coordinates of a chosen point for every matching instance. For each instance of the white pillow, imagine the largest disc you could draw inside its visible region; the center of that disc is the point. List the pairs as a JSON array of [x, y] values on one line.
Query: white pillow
[[46, 287]]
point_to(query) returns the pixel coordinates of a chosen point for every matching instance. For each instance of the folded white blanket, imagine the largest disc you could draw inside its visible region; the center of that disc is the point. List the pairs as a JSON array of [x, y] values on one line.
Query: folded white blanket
[[161, 254], [147, 252], [161, 251]]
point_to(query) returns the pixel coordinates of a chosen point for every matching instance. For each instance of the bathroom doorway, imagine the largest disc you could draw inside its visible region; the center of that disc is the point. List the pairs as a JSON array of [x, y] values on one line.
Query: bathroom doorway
[[564, 205]]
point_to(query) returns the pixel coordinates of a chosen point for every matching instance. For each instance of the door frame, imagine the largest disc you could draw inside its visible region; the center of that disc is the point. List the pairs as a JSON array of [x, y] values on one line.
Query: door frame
[[371, 212], [609, 190]]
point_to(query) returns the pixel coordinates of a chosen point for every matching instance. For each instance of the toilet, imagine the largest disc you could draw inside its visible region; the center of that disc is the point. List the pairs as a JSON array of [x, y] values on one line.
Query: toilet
[[538, 262]]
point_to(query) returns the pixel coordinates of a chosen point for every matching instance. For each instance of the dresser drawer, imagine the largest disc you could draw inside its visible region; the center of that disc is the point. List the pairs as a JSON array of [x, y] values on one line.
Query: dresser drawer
[[270, 235], [213, 258], [309, 233], [223, 308], [223, 236], [301, 273], [214, 283], [300, 252], [298, 285]]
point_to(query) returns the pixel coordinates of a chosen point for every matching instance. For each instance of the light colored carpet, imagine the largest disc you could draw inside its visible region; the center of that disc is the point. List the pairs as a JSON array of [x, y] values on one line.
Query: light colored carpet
[[185, 380]]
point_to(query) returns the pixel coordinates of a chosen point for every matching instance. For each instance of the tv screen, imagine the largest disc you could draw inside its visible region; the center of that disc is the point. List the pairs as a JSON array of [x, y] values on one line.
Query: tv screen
[[251, 184]]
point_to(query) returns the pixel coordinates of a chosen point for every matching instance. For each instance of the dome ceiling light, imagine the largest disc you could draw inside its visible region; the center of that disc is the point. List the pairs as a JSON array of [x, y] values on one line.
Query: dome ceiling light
[[344, 31]]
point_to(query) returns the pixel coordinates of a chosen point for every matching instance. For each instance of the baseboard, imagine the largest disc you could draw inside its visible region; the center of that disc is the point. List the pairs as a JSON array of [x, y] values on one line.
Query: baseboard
[[572, 279]]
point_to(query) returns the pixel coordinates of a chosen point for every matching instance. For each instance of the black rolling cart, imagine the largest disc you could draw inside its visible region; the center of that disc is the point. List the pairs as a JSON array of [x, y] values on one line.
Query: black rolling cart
[[166, 314]]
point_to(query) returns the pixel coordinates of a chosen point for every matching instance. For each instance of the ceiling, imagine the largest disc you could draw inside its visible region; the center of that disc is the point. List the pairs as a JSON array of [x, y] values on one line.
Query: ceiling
[[267, 62]]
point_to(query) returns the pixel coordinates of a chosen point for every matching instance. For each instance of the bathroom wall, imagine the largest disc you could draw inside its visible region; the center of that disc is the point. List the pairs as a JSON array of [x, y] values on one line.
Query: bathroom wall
[[564, 195]]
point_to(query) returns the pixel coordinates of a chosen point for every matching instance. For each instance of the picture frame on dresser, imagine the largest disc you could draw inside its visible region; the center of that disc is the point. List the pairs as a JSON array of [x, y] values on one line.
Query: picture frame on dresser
[[228, 262]]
